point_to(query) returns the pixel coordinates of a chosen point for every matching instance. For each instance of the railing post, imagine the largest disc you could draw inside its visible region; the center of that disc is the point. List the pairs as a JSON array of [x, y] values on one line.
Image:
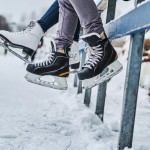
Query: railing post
[[88, 92], [103, 86], [111, 9], [82, 62], [101, 95], [131, 89], [87, 97], [75, 84]]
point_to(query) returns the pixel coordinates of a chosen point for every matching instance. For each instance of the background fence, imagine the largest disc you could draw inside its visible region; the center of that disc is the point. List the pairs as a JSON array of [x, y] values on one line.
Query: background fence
[[133, 23]]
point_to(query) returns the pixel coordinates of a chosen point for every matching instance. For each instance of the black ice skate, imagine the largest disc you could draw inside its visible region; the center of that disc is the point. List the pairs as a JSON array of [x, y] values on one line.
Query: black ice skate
[[57, 65], [102, 63], [22, 44]]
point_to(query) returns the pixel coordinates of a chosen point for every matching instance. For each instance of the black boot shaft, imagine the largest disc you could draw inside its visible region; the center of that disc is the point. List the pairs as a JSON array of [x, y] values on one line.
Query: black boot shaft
[[109, 55], [65, 50], [95, 39]]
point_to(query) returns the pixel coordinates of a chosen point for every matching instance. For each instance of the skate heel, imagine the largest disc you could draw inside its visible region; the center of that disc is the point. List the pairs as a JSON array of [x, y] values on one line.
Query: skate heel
[[111, 70], [28, 51], [75, 66]]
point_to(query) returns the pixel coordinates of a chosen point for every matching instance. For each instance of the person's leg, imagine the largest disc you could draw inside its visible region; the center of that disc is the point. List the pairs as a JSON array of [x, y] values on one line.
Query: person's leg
[[89, 16], [28, 39], [102, 52], [67, 24], [58, 63], [68, 21], [103, 55], [50, 18]]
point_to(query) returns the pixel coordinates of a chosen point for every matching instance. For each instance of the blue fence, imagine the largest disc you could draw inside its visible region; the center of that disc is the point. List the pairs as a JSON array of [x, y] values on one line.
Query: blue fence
[[133, 23]]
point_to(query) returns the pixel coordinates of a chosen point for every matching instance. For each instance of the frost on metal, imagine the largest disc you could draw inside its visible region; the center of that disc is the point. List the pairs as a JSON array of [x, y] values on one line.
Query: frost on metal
[[130, 23]]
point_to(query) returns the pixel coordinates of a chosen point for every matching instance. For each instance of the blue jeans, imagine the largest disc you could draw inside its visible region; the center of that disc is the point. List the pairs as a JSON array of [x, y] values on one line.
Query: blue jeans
[[51, 17]]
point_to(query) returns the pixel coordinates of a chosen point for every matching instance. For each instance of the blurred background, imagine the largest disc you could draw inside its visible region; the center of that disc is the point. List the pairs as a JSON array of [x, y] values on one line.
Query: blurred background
[[23, 11]]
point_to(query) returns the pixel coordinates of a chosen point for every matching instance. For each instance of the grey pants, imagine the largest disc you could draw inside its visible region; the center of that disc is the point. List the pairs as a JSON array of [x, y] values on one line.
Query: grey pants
[[69, 12]]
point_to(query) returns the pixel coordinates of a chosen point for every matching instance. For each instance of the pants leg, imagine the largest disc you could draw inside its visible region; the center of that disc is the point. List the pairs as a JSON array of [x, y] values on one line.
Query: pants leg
[[50, 18], [67, 25], [70, 10], [88, 15]]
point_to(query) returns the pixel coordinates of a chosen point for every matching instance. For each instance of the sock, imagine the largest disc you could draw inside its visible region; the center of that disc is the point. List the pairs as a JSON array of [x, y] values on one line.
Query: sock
[[44, 28]]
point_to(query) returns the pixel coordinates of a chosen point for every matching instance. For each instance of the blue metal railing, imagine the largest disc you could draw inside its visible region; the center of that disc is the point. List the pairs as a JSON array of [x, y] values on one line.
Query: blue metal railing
[[133, 23]]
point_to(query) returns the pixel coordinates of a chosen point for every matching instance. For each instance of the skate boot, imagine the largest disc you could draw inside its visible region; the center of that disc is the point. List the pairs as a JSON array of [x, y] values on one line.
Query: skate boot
[[74, 57], [57, 66], [102, 63], [22, 44], [73, 54]]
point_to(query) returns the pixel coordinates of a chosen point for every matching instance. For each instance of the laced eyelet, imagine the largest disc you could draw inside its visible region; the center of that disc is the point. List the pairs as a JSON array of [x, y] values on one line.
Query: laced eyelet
[[95, 55], [46, 62]]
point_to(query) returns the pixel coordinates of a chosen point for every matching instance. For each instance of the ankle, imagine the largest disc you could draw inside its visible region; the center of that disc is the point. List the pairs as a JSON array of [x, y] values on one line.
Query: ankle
[[64, 49]]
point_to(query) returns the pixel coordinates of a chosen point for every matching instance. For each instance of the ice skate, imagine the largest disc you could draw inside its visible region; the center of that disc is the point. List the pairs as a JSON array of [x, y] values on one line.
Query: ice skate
[[22, 44], [57, 66], [74, 57], [102, 63]]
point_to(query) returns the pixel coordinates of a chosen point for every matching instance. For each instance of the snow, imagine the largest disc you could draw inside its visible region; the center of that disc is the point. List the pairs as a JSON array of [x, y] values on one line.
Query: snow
[[39, 118]]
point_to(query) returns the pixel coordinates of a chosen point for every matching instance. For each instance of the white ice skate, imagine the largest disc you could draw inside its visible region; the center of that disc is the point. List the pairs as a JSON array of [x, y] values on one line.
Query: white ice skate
[[22, 44]]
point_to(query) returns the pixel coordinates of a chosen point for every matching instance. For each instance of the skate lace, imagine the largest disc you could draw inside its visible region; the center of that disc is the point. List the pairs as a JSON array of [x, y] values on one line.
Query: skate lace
[[95, 55], [27, 29], [45, 62]]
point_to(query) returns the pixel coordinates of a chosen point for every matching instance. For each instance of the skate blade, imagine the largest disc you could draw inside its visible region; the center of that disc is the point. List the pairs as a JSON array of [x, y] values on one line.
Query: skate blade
[[20, 55], [59, 83], [112, 70]]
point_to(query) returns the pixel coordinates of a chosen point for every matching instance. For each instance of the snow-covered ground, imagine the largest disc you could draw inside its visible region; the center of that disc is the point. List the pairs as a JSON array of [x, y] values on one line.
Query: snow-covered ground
[[39, 118]]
